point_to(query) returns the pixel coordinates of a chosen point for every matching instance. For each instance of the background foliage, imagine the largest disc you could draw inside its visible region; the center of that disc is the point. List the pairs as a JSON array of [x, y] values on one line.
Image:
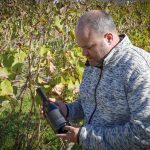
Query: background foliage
[[38, 48]]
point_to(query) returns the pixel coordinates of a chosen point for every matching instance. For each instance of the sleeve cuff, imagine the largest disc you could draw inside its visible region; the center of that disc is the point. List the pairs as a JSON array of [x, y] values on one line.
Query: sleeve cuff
[[82, 136], [78, 138], [67, 111]]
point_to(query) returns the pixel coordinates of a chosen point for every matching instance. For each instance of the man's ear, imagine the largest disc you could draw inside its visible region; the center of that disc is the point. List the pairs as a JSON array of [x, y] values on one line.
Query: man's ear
[[109, 37]]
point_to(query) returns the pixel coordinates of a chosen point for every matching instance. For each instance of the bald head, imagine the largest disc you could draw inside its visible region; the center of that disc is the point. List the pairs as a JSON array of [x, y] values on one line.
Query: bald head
[[96, 34], [97, 20]]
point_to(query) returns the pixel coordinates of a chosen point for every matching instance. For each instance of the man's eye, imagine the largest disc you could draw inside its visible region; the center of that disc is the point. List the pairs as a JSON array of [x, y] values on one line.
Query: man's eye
[[90, 47]]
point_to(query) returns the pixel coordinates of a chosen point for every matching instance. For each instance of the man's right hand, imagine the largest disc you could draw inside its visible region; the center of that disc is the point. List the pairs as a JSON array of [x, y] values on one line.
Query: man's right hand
[[60, 104]]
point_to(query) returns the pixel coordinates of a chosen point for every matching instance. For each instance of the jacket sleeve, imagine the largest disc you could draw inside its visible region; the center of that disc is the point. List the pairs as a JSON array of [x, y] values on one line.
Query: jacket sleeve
[[75, 111], [135, 134]]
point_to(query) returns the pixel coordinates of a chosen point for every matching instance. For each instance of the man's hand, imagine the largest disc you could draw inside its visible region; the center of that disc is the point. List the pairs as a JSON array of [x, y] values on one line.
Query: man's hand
[[60, 104], [71, 135]]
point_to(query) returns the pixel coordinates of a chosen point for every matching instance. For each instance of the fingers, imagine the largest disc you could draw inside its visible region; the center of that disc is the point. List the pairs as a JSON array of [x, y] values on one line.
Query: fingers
[[69, 128], [71, 135], [55, 101], [67, 136], [52, 100], [62, 136]]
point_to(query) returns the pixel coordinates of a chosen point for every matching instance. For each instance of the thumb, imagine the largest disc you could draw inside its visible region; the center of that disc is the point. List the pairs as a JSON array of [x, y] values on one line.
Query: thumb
[[53, 100]]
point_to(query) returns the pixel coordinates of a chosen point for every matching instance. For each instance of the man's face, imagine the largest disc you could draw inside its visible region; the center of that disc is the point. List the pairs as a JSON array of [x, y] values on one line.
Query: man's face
[[94, 46]]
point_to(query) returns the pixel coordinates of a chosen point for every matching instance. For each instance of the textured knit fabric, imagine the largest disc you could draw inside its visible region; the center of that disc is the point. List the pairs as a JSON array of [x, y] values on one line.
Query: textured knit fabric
[[120, 93]]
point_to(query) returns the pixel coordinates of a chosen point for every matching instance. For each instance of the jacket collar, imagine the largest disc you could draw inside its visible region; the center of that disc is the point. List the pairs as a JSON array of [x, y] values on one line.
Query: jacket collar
[[100, 65], [117, 51]]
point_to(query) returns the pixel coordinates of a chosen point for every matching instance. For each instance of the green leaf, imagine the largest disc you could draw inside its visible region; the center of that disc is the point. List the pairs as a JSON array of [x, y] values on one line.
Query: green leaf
[[43, 50], [6, 88], [72, 34], [20, 57], [57, 24], [3, 73], [5, 103], [70, 85], [38, 100], [8, 60], [3, 98], [17, 68]]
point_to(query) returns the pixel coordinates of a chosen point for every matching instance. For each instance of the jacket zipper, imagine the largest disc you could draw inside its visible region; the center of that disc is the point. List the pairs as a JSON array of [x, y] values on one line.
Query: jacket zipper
[[95, 96]]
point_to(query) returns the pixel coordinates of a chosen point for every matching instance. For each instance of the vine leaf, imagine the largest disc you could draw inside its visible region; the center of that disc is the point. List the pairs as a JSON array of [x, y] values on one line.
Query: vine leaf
[[57, 24], [17, 68], [22, 56], [3, 73], [43, 50], [52, 68], [8, 60], [6, 88], [4, 105], [58, 89]]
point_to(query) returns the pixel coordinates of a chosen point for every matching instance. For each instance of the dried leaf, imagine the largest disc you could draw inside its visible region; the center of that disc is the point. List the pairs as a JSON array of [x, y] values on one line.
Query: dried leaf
[[57, 90], [52, 68]]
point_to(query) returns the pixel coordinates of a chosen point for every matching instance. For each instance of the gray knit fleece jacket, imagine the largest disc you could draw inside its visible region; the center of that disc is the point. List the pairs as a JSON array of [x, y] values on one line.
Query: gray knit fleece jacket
[[118, 96]]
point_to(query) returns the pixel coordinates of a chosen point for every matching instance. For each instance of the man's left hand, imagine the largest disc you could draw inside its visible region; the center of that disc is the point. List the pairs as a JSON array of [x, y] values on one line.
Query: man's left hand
[[71, 135]]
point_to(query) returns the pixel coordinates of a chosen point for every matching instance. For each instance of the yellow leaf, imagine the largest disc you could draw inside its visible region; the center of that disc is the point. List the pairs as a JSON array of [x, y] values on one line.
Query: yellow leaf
[[52, 68], [6, 88], [58, 89], [3, 73], [40, 80], [57, 24]]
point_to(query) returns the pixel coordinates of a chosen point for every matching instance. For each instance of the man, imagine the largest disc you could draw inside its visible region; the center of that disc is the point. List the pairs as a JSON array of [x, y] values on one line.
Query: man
[[114, 99]]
